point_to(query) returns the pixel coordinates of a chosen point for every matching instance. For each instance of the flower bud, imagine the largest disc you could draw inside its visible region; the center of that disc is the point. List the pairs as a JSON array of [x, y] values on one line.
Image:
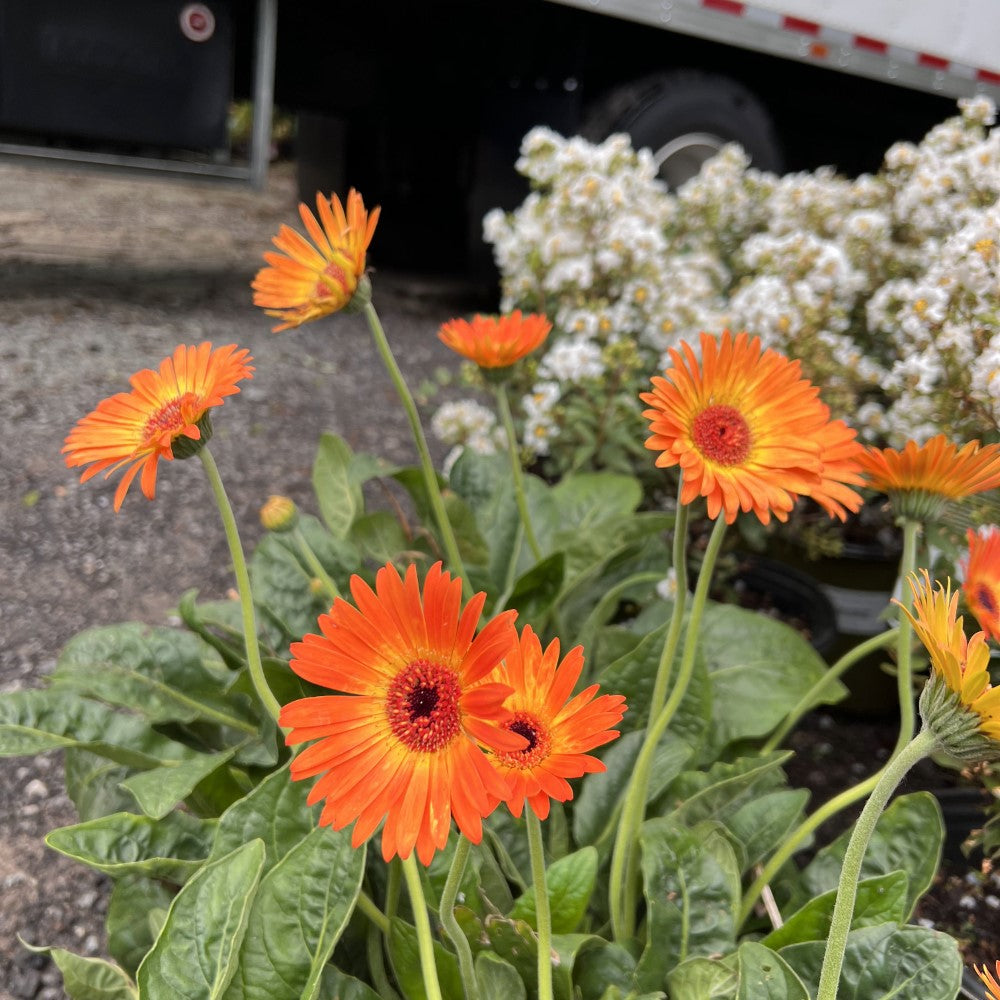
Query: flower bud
[[279, 514], [955, 726]]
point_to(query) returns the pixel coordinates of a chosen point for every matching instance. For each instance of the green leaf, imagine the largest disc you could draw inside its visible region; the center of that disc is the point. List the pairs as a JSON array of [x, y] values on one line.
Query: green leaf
[[196, 952], [274, 812], [705, 979], [380, 536], [739, 648], [571, 883], [92, 782], [162, 674], [880, 900], [472, 546], [601, 967], [535, 592], [36, 720], [296, 918], [764, 975], [762, 824], [172, 848], [90, 978], [404, 954], [595, 811], [337, 985], [908, 837], [692, 884], [137, 911], [157, 791], [886, 963], [498, 980], [337, 486]]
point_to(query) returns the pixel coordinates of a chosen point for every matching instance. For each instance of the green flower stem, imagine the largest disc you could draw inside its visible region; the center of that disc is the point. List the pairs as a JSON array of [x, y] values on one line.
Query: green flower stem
[[904, 645], [850, 872], [623, 889], [426, 465], [315, 566], [372, 912], [447, 913], [425, 942], [376, 965], [392, 888], [503, 405], [254, 662], [814, 694], [543, 914]]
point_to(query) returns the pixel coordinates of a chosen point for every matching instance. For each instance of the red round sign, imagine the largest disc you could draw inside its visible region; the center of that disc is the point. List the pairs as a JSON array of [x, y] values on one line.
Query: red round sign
[[197, 22]]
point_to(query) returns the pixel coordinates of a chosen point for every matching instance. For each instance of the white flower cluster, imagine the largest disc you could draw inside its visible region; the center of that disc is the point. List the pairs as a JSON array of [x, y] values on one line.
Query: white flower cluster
[[465, 424], [886, 286]]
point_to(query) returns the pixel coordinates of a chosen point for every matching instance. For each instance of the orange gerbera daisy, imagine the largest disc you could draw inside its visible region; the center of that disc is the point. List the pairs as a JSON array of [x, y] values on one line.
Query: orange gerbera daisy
[[841, 452], [404, 741], [166, 415], [559, 729], [922, 477], [961, 663], [991, 982], [982, 579], [309, 280], [744, 426], [496, 341]]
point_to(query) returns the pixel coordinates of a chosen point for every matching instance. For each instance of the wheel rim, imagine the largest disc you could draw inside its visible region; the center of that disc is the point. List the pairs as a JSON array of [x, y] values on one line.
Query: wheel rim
[[681, 158]]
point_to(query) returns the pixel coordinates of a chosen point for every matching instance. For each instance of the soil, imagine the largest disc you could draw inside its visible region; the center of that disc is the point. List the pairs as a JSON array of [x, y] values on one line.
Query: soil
[[100, 275]]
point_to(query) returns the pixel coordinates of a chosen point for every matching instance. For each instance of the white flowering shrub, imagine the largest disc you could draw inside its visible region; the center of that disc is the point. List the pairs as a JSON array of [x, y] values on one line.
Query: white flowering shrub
[[887, 286]]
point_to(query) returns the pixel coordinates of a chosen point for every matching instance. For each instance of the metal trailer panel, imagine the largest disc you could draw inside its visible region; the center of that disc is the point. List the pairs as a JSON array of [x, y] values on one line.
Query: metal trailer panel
[[755, 27]]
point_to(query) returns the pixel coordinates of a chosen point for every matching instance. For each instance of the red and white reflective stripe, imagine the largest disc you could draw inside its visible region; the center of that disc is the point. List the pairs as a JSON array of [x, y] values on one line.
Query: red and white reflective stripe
[[825, 39]]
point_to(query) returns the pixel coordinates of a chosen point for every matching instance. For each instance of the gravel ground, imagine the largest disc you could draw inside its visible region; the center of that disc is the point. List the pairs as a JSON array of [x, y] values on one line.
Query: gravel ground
[[101, 275]]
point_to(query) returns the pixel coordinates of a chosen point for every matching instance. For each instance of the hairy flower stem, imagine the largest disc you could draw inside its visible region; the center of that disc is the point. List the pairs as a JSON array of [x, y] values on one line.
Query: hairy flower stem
[[904, 644], [543, 914], [446, 912], [815, 694], [254, 661], [367, 906], [623, 883], [847, 890], [317, 569], [503, 405], [425, 942], [426, 465]]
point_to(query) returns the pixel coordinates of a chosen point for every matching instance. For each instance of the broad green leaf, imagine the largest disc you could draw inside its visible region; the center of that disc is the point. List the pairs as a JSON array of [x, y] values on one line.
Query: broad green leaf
[[137, 911], [90, 978], [404, 954], [601, 967], [567, 949], [704, 979], [380, 536], [880, 900], [36, 720], [571, 883], [298, 914], [753, 659], [196, 954], [535, 592], [633, 675], [92, 782], [274, 812], [338, 491], [886, 963], [764, 975], [907, 837], [337, 985], [498, 980], [517, 944], [595, 810], [162, 674], [157, 791], [472, 546], [171, 848], [761, 824], [692, 884]]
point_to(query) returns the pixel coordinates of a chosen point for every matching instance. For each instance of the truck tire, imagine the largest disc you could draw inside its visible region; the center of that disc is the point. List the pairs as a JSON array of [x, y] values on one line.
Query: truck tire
[[685, 117]]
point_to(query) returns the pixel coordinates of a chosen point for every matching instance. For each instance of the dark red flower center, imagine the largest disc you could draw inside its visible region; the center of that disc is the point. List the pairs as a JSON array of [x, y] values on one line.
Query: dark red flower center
[[539, 742], [171, 418], [985, 599], [721, 434], [422, 706]]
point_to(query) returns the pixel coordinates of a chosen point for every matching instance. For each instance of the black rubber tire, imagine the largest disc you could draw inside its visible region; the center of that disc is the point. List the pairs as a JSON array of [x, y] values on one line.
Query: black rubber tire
[[657, 110]]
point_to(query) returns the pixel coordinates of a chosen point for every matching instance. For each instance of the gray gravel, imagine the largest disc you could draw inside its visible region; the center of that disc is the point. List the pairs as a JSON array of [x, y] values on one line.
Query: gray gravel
[[101, 275]]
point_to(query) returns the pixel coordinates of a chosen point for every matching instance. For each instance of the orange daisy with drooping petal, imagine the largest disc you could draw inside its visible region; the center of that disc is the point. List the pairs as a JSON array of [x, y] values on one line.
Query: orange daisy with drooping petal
[[166, 415], [840, 452], [744, 426], [962, 663], [982, 579], [559, 729], [496, 341], [991, 982], [922, 477], [309, 280], [404, 741]]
